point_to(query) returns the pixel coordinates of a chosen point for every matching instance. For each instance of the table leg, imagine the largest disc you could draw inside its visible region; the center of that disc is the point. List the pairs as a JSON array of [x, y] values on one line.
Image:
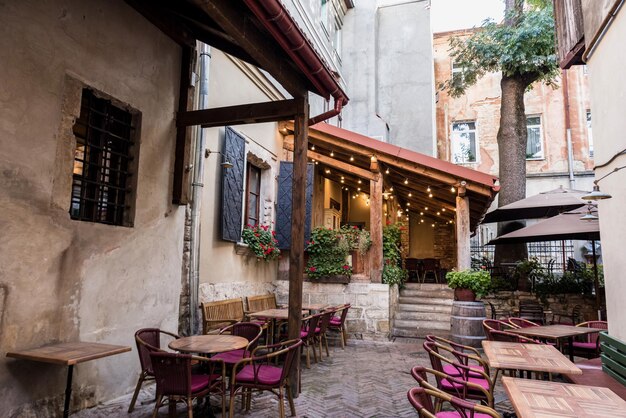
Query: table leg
[[570, 340], [68, 391]]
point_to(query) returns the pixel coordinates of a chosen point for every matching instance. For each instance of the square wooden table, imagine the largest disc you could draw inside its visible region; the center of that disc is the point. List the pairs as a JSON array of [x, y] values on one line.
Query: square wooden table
[[530, 357], [69, 354], [556, 332], [541, 399], [281, 314]]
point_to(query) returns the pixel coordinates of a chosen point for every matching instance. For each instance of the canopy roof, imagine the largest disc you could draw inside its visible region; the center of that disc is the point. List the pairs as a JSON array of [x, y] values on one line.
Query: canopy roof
[[542, 205], [567, 225], [408, 175]]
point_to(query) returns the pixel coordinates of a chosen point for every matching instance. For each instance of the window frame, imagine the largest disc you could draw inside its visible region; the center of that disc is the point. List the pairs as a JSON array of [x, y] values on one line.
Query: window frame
[[454, 140], [257, 192], [540, 126]]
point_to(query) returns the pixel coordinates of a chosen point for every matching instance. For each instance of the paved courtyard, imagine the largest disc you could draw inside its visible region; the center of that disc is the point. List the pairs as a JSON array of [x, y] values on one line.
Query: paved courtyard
[[368, 379]]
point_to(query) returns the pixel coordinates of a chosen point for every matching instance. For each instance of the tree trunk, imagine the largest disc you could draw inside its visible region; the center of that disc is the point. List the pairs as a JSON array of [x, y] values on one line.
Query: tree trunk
[[512, 139]]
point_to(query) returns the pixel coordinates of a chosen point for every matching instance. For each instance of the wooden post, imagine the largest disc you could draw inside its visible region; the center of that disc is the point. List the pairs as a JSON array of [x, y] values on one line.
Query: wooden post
[[376, 229], [298, 213], [462, 222]]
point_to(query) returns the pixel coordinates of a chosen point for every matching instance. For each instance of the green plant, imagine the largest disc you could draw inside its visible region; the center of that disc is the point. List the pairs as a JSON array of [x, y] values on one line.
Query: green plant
[[357, 239], [530, 269], [392, 255], [260, 239], [478, 281], [327, 253]]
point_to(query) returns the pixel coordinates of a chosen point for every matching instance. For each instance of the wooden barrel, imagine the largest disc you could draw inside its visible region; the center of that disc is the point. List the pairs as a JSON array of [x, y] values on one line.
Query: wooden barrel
[[466, 323]]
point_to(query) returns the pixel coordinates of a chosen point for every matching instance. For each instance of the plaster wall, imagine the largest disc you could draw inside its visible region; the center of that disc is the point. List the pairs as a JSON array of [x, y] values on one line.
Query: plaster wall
[[225, 271], [421, 239], [387, 62], [360, 210], [608, 98], [481, 103], [65, 280]]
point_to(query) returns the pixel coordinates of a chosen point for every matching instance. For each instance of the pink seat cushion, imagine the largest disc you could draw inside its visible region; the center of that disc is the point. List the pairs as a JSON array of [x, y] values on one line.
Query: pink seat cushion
[[267, 375], [199, 382], [585, 346], [230, 357], [448, 385], [450, 370], [335, 321], [454, 414]]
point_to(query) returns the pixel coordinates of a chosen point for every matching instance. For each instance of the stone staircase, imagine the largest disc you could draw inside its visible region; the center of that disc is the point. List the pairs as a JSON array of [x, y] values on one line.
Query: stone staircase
[[423, 309]]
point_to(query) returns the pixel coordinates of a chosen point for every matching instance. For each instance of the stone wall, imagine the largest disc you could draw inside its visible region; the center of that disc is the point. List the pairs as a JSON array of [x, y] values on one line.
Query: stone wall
[[506, 302], [369, 315]]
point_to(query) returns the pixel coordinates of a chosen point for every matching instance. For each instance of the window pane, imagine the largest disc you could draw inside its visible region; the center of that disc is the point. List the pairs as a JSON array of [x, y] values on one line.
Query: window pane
[[464, 144], [534, 146]]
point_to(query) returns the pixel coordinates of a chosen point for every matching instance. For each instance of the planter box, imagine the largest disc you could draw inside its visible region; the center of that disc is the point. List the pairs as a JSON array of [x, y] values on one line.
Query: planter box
[[343, 279]]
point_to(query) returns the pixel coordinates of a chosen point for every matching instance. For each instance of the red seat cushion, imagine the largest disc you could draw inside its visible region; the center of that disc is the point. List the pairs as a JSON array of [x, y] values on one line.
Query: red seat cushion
[[449, 385], [585, 346], [450, 370], [199, 382], [267, 375], [231, 357], [454, 414], [335, 321]]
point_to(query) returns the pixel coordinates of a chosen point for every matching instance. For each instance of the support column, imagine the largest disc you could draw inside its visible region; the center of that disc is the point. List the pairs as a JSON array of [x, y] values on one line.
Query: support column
[[298, 214], [376, 229], [462, 223]]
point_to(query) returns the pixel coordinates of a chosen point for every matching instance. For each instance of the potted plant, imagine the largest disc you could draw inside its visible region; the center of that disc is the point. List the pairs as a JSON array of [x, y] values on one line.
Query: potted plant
[[359, 242], [469, 284], [261, 241], [528, 271]]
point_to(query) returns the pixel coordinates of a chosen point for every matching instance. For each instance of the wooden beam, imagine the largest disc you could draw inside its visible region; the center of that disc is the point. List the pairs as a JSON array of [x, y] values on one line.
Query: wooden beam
[[261, 47], [298, 214], [240, 114], [182, 156], [376, 229], [337, 164], [167, 22], [463, 233]]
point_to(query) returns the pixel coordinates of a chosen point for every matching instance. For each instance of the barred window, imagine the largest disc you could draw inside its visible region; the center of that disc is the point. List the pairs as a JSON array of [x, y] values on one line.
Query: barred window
[[103, 162]]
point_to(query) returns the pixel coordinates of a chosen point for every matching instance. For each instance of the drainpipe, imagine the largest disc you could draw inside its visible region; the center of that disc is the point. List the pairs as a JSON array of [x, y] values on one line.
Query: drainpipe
[[196, 193], [570, 151]]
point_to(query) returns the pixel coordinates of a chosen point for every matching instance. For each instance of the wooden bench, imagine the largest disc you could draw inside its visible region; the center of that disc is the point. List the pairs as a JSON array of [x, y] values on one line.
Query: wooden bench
[[221, 313], [607, 371], [261, 302]]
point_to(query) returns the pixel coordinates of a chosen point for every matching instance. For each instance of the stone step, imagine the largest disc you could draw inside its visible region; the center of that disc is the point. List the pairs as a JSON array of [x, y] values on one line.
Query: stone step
[[435, 293], [416, 324], [425, 286], [415, 300], [419, 333], [423, 316], [428, 307]]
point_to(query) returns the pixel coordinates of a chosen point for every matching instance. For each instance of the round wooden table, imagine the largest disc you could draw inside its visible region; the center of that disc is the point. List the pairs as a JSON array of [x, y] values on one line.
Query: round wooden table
[[208, 344]]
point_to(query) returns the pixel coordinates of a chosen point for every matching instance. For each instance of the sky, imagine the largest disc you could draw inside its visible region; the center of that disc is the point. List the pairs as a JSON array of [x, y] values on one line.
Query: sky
[[447, 15]]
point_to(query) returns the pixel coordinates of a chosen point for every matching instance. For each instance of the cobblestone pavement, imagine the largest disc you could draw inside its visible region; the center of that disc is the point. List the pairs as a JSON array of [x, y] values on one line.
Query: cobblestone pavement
[[368, 379]]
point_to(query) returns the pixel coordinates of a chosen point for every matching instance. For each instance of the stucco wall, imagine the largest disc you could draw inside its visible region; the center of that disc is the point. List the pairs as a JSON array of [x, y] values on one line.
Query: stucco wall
[[67, 280], [608, 98]]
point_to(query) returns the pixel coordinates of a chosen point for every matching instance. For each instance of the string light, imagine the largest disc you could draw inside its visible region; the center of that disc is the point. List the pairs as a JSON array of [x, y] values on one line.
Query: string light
[[430, 195], [408, 203], [387, 171], [327, 171], [312, 147], [359, 181], [421, 213], [443, 209], [433, 225], [438, 213], [316, 162], [342, 181], [452, 189], [358, 188], [410, 194], [351, 158], [421, 221], [342, 178], [332, 154], [391, 189], [425, 207], [428, 189], [407, 209], [406, 181]]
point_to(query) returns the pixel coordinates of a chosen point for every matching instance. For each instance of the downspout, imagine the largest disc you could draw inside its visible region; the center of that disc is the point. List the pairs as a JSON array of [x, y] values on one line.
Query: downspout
[[568, 130], [196, 193]]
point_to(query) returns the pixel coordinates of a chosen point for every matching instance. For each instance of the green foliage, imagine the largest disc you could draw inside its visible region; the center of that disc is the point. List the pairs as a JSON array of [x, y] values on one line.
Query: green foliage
[[530, 269], [260, 239], [393, 273], [478, 281], [327, 253], [571, 282], [525, 50], [357, 239]]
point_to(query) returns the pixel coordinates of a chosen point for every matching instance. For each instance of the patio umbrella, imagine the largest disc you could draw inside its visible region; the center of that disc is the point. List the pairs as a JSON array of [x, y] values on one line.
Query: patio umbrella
[[541, 205], [568, 225]]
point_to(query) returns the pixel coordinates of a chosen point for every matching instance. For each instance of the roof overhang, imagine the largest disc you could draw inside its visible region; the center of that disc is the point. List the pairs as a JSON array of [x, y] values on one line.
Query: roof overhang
[[410, 174]]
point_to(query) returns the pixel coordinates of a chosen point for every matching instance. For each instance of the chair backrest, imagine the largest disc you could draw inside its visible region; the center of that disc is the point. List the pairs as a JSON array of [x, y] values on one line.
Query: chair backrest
[[248, 330], [495, 324], [522, 323], [465, 349], [577, 314], [531, 311], [285, 350], [325, 320], [261, 302], [309, 325], [459, 386], [496, 335], [228, 311], [422, 403], [593, 338], [430, 263], [420, 400], [149, 340], [344, 312], [492, 308], [411, 263], [172, 372]]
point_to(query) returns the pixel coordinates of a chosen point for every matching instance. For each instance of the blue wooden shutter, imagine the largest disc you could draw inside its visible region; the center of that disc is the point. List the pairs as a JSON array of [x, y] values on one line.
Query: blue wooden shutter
[[232, 185], [283, 211]]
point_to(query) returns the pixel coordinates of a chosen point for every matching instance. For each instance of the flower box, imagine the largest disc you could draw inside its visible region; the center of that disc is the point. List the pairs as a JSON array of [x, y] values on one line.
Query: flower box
[[339, 278]]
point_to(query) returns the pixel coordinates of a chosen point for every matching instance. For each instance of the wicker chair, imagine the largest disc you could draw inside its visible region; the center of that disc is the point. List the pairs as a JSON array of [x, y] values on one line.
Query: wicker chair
[[466, 357], [588, 346], [522, 323], [320, 332], [509, 337], [420, 399], [248, 330], [307, 335], [338, 323], [496, 324]]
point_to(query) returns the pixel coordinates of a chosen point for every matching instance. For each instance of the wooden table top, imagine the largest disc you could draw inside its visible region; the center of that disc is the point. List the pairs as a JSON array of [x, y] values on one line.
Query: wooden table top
[[70, 353], [274, 313], [541, 399], [208, 344], [554, 331], [315, 306], [533, 357]]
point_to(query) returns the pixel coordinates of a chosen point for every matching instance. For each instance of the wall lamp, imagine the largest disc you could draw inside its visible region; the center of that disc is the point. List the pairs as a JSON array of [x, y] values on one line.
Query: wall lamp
[[596, 194], [225, 163]]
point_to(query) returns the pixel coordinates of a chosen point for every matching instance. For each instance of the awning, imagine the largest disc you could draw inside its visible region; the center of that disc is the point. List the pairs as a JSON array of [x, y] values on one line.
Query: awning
[[408, 175]]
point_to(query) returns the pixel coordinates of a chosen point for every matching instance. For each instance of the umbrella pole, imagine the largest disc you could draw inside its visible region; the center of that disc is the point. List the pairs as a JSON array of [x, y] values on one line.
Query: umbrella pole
[[563, 255], [596, 281]]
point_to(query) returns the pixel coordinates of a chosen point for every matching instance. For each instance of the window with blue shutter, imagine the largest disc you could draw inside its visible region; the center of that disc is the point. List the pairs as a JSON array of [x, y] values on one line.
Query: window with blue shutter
[[232, 185], [283, 211]]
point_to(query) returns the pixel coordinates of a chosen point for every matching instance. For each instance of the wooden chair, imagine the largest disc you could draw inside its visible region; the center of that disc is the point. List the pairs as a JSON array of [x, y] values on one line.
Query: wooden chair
[[588, 345], [420, 399], [219, 314], [431, 265], [568, 318], [261, 302], [532, 311]]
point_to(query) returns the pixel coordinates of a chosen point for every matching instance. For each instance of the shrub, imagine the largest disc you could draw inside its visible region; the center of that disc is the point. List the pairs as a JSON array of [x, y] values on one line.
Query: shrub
[[327, 253], [357, 239], [478, 281], [393, 273], [260, 239]]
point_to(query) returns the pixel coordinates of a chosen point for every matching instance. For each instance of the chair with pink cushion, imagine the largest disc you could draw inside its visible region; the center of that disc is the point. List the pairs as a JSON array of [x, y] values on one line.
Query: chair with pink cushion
[[461, 371], [175, 381], [320, 332], [522, 323], [588, 346], [250, 331], [307, 335], [509, 337], [259, 373], [338, 323], [465, 356], [420, 399]]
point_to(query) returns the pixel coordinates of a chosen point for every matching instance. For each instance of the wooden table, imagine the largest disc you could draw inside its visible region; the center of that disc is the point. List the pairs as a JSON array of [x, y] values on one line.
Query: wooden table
[[273, 315], [315, 306], [69, 354], [530, 357], [556, 332], [541, 399], [208, 344]]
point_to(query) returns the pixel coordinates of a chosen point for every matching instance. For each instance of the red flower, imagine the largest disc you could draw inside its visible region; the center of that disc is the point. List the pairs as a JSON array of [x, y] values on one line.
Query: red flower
[[355, 227], [346, 267], [312, 269]]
